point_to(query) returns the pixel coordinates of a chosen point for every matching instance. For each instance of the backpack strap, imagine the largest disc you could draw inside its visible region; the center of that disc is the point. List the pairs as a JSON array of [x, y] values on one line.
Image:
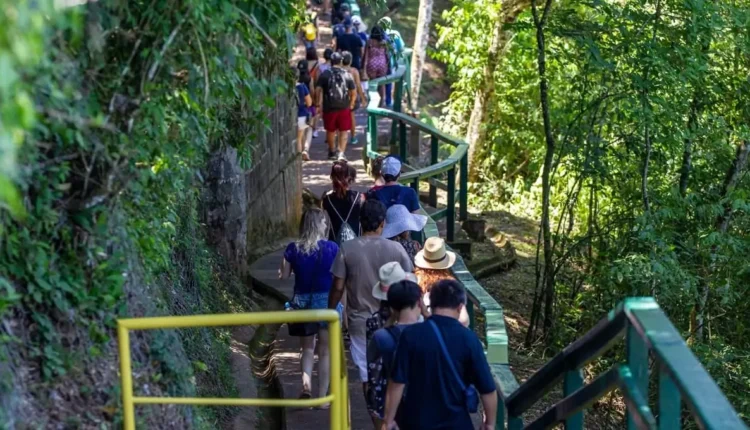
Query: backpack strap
[[352, 208], [445, 353]]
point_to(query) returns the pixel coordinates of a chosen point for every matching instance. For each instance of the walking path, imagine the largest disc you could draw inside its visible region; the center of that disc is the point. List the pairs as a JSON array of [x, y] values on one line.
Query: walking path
[[264, 273]]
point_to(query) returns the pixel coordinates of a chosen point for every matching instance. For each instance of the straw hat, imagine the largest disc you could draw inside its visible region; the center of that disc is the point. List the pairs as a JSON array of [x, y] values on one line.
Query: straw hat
[[398, 219], [389, 274], [434, 255]]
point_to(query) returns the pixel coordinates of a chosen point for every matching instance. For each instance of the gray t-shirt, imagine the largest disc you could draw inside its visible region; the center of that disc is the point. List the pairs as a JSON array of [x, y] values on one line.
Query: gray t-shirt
[[358, 262]]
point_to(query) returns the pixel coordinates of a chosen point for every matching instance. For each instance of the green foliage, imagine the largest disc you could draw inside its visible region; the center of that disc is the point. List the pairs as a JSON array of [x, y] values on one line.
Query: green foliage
[[116, 106], [632, 84]]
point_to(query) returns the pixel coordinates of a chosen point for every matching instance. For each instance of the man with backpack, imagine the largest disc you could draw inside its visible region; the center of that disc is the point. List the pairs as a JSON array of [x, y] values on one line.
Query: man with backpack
[[338, 98], [403, 298], [356, 270], [442, 365]]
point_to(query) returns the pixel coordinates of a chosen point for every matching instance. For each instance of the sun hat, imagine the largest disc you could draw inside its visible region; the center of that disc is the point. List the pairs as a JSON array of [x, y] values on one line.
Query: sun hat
[[389, 274], [398, 219], [358, 23], [434, 255], [391, 166]]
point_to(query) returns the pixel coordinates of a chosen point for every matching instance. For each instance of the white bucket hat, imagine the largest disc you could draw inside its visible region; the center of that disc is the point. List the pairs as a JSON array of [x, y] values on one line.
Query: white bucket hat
[[434, 255], [359, 25], [389, 274], [398, 219]]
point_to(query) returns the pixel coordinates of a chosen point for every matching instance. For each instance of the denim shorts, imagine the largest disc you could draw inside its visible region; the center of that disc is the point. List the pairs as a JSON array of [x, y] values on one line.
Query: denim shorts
[[316, 301]]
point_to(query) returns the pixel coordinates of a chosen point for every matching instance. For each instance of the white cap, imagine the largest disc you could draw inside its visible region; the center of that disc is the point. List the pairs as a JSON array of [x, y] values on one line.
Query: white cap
[[391, 166]]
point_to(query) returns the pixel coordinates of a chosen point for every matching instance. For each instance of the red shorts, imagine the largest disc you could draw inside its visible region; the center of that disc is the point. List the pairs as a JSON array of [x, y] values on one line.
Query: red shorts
[[338, 120]]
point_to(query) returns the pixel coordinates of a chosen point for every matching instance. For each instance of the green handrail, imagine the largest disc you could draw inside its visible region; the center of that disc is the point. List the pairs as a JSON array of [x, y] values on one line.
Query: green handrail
[[645, 328], [457, 161]]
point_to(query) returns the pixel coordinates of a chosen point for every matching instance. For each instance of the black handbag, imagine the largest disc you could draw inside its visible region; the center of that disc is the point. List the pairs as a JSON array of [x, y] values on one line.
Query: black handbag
[[306, 328]]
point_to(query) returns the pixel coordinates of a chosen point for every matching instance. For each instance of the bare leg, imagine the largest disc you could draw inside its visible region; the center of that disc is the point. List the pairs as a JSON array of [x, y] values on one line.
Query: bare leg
[[324, 362], [331, 140], [343, 136], [306, 362]]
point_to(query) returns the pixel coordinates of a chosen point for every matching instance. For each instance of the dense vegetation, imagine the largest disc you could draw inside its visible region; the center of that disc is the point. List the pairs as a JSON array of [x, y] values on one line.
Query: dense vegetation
[[109, 112], [639, 168]]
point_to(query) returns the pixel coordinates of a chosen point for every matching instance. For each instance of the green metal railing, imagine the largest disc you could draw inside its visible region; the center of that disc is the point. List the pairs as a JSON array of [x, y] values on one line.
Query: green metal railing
[[456, 163], [647, 332]]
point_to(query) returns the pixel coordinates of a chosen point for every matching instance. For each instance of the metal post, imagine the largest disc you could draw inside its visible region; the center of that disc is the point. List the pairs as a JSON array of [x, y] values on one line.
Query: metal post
[[572, 382], [451, 204], [637, 353], [463, 193], [470, 311], [500, 417], [372, 124], [402, 140], [398, 96], [515, 423], [433, 161], [670, 402], [126, 376], [335, 344]]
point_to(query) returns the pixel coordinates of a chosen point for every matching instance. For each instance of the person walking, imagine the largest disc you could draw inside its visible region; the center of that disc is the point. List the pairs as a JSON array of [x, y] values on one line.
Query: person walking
[[356, 270], [393, 193], [399, 223], [395, 44], [444, 367], [351, 42], [376, 58], [310, 259], [432, 265], [338, 97], [304, 102], [404, 301], [361, 97], [342, 204]]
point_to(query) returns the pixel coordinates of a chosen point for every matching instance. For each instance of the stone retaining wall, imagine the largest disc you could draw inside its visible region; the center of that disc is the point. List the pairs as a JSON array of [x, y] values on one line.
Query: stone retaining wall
[[246, 210]]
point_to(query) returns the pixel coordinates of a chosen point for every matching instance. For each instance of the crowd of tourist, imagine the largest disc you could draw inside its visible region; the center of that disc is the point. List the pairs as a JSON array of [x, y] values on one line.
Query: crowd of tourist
[[403, 311], [334, 88]]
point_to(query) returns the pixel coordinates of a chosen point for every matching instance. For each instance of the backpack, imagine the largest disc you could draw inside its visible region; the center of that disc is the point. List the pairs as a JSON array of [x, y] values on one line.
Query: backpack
[[346, 233], [337, 92]]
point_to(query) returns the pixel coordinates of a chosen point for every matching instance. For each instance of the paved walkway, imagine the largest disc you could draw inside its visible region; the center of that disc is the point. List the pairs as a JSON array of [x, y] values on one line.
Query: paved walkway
[[287, 358]]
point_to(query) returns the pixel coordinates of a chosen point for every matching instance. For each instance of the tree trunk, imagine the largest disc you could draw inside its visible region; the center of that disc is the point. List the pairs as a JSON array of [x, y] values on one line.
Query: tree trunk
[[687, 152], [549, 138], [475, 133], [421, 39], [722, 225]]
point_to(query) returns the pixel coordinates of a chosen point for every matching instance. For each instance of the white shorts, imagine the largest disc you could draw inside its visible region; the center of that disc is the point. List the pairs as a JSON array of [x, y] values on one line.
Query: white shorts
[[365, 86], [358, 346], [302, 122]]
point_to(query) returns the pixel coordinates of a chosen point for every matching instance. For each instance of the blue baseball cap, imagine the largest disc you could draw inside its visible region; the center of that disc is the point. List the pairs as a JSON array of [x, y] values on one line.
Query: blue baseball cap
[[348, 21], [391, 166]]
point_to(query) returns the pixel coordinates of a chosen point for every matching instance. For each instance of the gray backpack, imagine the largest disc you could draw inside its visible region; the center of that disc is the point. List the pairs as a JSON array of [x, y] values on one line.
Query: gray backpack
[[338, 93], [346, 233]]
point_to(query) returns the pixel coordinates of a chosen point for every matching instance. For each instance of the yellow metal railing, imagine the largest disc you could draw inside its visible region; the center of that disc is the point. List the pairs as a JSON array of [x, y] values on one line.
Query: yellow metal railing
[[339, 384]]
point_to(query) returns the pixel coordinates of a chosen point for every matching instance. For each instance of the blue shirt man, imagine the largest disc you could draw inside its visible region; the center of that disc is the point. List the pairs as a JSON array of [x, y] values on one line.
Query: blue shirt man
[[434, 399], [393, 193]]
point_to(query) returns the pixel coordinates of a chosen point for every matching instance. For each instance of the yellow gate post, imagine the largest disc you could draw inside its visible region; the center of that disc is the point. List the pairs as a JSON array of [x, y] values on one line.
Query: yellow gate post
[[336, 398]]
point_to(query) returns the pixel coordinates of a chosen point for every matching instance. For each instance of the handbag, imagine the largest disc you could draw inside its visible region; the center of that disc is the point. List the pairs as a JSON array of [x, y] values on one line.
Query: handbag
[[306, 328], [471, 396]]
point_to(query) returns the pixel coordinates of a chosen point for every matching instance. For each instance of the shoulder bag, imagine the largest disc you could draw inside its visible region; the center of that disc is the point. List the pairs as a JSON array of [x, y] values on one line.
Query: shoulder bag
[[471, 396]]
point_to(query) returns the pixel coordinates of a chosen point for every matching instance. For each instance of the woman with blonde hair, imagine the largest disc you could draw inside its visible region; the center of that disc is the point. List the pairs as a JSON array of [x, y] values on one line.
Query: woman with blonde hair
[[310, 259], [432, 264]]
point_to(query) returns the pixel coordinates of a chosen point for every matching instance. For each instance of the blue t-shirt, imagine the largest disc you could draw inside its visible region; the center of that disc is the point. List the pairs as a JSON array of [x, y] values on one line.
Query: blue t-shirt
[[434, 400], [312, 272], [396, 195], [302, 92]]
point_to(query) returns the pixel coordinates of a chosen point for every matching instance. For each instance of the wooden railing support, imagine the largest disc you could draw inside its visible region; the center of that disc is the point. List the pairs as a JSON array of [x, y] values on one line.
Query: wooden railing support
[[451, 221], [463, 193]]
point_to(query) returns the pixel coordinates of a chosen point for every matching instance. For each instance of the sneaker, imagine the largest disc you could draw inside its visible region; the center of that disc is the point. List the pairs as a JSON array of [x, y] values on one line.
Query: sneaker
[[305, 156], [331, 155], [354, 141], [342, 157], [315, 133]]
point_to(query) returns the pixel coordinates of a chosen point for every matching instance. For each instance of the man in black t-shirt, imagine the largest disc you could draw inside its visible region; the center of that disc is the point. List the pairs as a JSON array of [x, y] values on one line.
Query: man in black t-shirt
[[338, 98], [350, 41]]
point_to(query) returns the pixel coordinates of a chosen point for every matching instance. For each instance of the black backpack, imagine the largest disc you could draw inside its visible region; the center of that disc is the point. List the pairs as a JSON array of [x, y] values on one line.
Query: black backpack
[[338, 93]]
